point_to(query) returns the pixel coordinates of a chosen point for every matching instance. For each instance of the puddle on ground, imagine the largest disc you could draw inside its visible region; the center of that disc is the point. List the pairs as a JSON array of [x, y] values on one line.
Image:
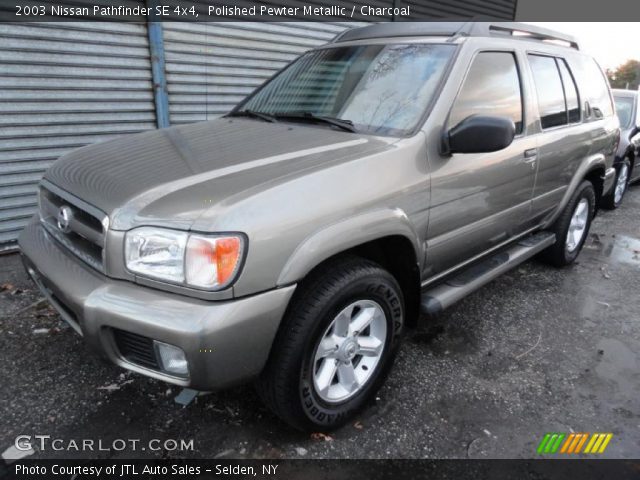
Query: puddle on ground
[[621, 248], [619, 365]]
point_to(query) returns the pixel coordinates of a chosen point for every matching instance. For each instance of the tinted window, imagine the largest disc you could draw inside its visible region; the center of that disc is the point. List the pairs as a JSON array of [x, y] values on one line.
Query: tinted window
[[624, 109], [382, 89], [570, 91], [550, 91], [492, 87], [593, 87]]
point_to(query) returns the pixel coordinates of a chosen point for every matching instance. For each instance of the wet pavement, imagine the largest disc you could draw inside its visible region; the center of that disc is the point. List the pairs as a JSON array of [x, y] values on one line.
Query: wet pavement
[[538, 350]]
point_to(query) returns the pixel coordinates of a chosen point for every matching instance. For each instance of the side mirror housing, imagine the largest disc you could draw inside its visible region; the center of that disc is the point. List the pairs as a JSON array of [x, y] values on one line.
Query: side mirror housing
[[479, 134]]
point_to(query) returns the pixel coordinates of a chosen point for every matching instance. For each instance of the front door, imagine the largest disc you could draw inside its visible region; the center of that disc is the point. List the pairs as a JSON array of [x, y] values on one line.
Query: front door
[[479, 201]]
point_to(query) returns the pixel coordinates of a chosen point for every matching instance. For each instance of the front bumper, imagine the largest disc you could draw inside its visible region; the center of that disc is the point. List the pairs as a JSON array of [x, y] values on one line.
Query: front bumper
[[225, 342]]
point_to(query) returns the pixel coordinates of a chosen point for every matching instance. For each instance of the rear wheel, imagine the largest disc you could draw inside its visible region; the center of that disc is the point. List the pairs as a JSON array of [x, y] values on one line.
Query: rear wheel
[[572, 226], [335, 345], [614, 198]]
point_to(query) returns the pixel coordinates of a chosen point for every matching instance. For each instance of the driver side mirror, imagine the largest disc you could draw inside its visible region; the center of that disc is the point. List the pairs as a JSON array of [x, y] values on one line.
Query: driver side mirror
[[479, 134]]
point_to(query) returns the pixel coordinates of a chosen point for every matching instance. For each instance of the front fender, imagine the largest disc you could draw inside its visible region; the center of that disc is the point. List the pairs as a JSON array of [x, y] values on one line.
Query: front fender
[[345, 234]]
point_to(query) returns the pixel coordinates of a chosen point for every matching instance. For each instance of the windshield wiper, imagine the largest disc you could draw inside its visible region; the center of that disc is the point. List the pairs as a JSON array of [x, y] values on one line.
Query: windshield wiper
[[309, 116], [252, 113]]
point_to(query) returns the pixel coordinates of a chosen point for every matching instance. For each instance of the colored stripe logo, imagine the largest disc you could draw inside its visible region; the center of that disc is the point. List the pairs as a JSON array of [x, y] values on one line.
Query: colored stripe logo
[[574, 443]]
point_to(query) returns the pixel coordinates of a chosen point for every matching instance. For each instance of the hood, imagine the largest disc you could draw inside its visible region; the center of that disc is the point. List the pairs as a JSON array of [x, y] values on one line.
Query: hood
[[172, 176]]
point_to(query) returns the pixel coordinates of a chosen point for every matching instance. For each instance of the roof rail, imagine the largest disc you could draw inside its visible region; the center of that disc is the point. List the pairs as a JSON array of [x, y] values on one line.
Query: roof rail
[[523, 30], [457, 29]]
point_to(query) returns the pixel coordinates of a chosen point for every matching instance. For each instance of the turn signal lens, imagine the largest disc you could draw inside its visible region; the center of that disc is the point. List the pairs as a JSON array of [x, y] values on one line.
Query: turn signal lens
[[227, 257], [212, 262]]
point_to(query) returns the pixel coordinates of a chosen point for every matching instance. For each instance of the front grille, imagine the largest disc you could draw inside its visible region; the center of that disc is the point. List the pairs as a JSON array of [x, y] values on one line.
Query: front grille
[[85, 235], [136, 348]]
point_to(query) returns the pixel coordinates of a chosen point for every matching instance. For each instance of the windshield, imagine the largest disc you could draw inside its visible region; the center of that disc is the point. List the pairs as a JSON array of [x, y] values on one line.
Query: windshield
[[624, 109], [381, 89]]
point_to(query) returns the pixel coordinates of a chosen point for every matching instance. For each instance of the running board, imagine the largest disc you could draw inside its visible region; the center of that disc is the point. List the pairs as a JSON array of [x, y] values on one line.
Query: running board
[[435, 299]]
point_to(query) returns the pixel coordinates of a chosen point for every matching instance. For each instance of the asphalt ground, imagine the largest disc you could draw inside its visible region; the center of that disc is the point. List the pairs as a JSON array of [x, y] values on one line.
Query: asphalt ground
[[538, 350]]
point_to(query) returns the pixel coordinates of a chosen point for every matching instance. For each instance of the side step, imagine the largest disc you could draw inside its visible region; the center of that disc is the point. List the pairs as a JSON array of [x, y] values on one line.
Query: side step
[[437, 298]]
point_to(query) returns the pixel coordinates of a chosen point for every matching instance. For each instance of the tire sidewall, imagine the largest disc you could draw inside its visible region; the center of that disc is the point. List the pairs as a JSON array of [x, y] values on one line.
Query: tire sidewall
[[381, 289], [586, 191]]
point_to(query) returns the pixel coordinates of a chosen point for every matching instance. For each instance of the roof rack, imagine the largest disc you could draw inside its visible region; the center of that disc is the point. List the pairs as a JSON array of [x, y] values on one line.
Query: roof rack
[[457, 29]]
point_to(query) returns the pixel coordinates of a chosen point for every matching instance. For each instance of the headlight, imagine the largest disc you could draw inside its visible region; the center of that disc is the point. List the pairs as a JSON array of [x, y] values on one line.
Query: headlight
[[203, 261]]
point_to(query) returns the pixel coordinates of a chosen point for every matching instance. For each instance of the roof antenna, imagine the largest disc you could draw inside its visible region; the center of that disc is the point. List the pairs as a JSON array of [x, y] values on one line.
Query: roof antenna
[[466, 27], [461, 32]]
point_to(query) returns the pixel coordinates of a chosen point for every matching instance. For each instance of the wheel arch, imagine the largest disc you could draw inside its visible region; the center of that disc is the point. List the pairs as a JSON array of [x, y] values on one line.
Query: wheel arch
[[596, 177], [385, 237], [593, 169]]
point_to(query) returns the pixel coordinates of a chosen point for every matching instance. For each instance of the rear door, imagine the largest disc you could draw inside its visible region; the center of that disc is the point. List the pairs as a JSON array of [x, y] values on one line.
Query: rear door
[[563, 141], [479, 201]]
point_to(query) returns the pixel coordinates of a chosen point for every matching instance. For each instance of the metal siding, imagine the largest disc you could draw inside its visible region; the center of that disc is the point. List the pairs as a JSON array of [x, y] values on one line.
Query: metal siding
[[494, 9], [64, 85], [212, 66]]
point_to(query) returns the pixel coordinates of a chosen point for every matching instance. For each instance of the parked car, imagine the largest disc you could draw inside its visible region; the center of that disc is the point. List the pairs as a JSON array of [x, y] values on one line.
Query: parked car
[[291, 242], [627, 160]]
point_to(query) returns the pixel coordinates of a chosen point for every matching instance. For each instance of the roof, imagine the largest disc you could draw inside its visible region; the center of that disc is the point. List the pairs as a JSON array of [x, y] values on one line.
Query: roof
[[456, 29]]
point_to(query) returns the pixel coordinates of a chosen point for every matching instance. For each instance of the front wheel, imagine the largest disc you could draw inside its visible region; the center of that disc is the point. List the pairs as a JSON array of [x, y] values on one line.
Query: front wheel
[[614, 198], [335, 345], [572, 226]]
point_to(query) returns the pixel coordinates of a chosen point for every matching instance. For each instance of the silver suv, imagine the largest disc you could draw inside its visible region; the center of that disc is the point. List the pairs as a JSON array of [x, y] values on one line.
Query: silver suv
[[291, 242]]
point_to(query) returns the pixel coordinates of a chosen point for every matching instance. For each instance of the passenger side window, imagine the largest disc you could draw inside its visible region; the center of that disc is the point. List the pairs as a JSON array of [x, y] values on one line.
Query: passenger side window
[[570, 91], [551, 101], [492, 87]]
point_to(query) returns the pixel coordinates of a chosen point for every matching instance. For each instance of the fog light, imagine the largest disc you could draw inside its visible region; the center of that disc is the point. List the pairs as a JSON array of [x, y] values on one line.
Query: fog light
[[172, 359]]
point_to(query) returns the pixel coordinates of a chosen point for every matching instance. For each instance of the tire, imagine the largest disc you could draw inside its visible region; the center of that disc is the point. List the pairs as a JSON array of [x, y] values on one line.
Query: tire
[[342, 289], [614, 199], [566, 250]]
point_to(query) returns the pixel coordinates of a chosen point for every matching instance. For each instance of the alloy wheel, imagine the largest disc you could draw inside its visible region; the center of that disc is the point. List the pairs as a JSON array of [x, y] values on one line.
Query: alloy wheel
[[349, 351], [577, 225]]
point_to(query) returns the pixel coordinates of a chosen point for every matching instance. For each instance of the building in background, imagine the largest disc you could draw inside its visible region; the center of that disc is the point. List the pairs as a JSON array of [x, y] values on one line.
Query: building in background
[[68, 84]]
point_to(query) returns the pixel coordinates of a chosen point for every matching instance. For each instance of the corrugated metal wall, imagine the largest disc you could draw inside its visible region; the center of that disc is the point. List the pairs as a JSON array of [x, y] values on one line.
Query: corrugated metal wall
[[495, 9], [62, 86], [65, 85], [212, 66]]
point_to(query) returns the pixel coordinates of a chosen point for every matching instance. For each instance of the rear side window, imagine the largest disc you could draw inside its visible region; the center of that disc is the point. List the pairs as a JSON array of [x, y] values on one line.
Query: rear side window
[[492, 87], [594, 88], [551, 101]]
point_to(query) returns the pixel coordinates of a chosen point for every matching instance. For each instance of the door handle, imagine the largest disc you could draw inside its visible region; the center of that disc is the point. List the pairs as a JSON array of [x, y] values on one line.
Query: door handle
[[530, 155]]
